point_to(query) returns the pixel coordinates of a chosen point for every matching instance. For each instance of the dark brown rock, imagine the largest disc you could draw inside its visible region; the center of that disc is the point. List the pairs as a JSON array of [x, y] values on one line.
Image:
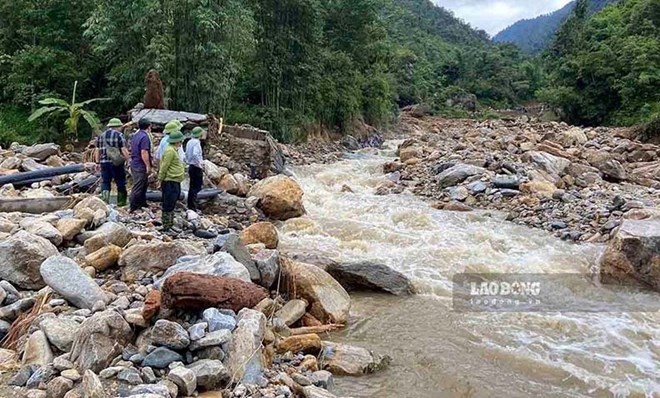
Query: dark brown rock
[[371, 276], [154, 96], [194, 291], [151, 305]]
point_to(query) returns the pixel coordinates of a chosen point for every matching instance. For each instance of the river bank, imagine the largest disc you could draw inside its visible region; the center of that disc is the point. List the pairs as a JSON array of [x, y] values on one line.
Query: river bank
[[577, 183]]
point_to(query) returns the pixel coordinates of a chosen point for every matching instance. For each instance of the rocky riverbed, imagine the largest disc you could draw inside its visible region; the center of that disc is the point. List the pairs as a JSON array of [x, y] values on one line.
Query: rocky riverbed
[[578, 183]]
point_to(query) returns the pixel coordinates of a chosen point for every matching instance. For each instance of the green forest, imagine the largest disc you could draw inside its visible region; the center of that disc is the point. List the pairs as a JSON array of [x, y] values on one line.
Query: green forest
[[296, 66]]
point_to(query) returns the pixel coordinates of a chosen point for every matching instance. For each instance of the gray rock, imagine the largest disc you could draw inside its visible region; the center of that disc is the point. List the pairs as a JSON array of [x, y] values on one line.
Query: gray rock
[[244, 358], [92, 387], [458, 193], [216, 320], [551, 164], [37, 350], [184, 379], [292, 311], [197, 331], [62, 363], [317, 392], [214, 352], [148, 375], [457, 174], [371, 276], [12, 294], [41, 152], [99, 340], [210, 374], [43, 229], [477, 187], [12, 311], [130, 376], [231, 244], [110, 233], [506, 181], [170, 335], [21, 377], [41, 375], [36, 393], [161, 358], [71, 374], [155, 389], [59, 386], [4, 328], [216, 338], [21, 256], [323, 379], [509, 193], [218, 264], [268, 264], [69, 280], [343, 359], [60, 332]]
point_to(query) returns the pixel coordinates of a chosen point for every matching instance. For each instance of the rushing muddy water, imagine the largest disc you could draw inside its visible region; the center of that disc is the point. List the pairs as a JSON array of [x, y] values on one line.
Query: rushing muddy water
[[439, 352]]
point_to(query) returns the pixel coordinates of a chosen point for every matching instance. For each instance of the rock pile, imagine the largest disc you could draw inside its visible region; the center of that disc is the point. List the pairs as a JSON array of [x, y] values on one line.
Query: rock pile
[[98, 303], [579, 183]]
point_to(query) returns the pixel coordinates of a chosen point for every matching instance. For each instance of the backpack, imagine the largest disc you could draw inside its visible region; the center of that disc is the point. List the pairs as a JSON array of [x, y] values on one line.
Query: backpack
[[113, 153]]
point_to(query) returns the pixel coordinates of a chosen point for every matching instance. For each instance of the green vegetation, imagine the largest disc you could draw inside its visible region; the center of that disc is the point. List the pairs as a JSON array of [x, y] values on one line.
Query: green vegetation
[[606, 69], [295, 66], [73, 112]]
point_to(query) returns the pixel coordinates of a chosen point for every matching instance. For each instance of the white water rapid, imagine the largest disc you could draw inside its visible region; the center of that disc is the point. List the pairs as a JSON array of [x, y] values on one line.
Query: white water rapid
[[439, 352]]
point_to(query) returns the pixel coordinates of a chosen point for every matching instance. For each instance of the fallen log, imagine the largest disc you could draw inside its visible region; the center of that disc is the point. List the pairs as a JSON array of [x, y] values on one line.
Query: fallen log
[[157, 196], [190, 291], [34, 205], [45, 174]]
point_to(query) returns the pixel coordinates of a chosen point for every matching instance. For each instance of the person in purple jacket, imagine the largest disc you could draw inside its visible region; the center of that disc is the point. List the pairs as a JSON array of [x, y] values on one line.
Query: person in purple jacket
[[140, 164]]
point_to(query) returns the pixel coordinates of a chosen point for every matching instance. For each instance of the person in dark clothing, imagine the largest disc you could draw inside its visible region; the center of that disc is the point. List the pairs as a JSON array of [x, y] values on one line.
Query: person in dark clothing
[[112, 138], [195, 161], [140, 165]]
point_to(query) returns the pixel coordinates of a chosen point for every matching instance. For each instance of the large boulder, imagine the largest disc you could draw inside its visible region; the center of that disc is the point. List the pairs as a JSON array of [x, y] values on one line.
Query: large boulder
[[346, 360], [551, 164], [99, 340], [231, 244], [280, 197], [21, 256], [328, 300], [70, 227], [110, 233], [634, 254], [69, 280], [371, 276], [43, 229], [244, 358], [41, 152], [458, 173], [262, 232], [211, 374], [60, 331], [154, 257], [37, 350], [609, 167], [186, 290], [216, 264]]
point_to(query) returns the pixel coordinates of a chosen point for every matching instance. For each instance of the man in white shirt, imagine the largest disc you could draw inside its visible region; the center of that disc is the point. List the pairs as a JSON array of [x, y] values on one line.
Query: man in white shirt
[[195, 162], [170, 127]]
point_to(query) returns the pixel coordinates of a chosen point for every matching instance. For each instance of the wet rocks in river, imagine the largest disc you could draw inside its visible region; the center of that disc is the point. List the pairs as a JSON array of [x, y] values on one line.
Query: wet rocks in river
[[280, 197], [21, 256], [634, 254], [68, 279], [371, 276], [343, 359], [194, 291], [329, 302]]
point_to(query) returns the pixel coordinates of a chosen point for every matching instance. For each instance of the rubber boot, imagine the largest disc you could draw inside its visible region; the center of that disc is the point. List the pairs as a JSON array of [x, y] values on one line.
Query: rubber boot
[[122, 199], [105, 195], [168, 221]]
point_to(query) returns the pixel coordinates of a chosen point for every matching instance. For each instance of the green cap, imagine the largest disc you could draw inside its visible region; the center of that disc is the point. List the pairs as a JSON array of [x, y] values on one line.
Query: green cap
[[175, 137], [114, 122], [172, 126], [197, 132]]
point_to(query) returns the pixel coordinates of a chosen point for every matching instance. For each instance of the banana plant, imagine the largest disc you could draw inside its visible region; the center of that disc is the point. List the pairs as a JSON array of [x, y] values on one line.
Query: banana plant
[[74, 110]]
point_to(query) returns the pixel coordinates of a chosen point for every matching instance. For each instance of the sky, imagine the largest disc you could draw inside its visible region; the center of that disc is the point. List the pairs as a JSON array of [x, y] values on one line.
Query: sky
[[495, 15]]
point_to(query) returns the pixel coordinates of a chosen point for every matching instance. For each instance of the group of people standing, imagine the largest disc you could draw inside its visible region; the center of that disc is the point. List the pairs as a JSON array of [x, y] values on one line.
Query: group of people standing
[[170, 159]]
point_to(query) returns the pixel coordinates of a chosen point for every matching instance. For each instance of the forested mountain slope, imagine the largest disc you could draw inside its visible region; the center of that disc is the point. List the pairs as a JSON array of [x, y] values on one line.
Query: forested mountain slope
[[535, 34]]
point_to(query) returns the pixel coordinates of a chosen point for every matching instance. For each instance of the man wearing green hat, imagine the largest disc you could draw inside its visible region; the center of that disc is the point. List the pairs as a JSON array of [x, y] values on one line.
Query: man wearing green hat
[[111, 155], [195, 161], [170, 175], [170, 127]]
